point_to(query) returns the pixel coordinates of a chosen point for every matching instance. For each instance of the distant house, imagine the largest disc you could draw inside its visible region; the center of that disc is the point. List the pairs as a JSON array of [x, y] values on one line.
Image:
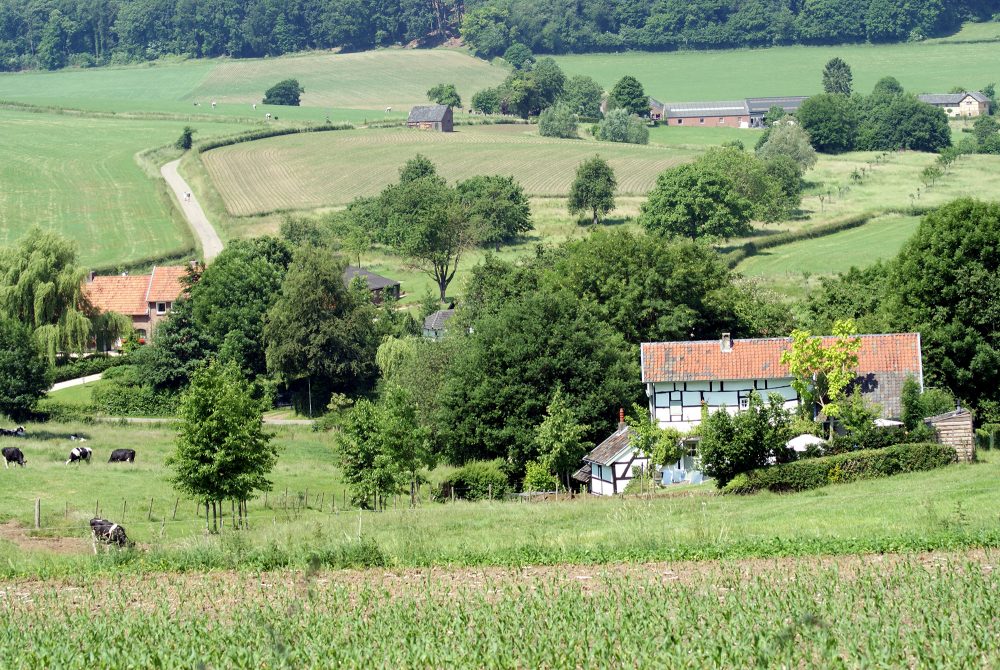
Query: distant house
[[655, 109], [431, 117], [146, 299], [436, 324], [759, 107], [746, 113], [609, 467], [959, 104], [381, 288], [682, 377]]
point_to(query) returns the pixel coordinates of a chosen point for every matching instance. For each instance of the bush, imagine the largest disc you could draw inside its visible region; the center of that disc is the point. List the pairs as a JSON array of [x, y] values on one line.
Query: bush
[[123, 395], [620, 126], [83, 367], [473, 481], [557, 121], [537, 477], [853, 466], [285, 92], [750, 439]]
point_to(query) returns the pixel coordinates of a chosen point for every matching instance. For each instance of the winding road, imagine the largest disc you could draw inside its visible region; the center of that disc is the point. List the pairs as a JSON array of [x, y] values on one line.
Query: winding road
[[211, 244]]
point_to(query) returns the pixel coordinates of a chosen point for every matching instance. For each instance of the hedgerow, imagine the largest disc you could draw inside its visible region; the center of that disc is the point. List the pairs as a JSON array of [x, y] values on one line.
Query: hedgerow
[[813, 473]]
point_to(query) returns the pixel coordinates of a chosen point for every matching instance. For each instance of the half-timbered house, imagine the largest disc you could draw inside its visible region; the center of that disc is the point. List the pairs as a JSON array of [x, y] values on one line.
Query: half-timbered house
[[613, 462]]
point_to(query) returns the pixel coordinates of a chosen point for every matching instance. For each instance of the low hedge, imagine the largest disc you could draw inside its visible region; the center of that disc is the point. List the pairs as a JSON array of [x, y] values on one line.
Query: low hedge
[[83, 367], [475, 480], [813, 473], [264, 133]]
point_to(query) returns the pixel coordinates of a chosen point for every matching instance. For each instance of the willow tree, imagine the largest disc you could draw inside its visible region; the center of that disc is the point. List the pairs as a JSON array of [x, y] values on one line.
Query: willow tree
[[42, 286]]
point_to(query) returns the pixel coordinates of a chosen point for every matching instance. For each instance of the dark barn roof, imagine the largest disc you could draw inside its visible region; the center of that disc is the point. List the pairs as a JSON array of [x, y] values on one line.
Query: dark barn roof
[[375, 282], [604, 453], [790, 104], [950, 98], [428, 114], [438, 319]]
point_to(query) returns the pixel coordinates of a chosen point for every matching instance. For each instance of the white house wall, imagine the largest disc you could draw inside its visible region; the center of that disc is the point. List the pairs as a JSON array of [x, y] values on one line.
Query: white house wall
[[679, 404]]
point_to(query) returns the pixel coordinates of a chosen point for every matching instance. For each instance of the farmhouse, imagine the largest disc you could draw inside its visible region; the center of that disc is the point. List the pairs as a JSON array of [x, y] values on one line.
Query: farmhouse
[[607, 469], [959, 104], [146, 299], [431, 117], [381, 288], [682, 377]]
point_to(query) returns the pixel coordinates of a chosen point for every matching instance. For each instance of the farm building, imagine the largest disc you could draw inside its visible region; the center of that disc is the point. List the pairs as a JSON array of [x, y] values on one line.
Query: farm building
[[759, 107], [381, 287], [146, 299], [746, 113], [607, 469], [959, 104], [681, 377], [436, 324], [431, 117], [656, 109]]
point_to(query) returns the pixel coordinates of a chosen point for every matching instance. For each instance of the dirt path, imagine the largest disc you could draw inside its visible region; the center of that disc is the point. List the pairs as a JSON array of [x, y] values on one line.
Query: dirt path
[[79, 381], [211, 244]]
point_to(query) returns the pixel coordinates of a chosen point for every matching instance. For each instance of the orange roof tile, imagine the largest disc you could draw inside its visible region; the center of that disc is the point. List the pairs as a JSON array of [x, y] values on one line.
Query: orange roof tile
[[165, 283], [761, 358], [125, 295]]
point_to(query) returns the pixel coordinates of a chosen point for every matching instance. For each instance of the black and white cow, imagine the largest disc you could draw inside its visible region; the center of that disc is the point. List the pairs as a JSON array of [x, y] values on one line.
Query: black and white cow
[[77, 454], [13, 455], [13, 432], [122, 456], [108, 533]]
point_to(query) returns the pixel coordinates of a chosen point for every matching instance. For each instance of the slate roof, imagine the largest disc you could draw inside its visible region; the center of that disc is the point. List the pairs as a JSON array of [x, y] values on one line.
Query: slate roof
[[438, 319], [583, 474], [131, 294], [428, 114], [605, 452], [165, 283], [789, 103], [676, 110], [955, 413], [950, 98], [761, 358], [375, 282]]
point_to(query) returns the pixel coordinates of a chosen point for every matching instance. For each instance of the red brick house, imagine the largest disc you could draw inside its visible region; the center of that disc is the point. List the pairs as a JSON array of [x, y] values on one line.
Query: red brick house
[[146, 299]]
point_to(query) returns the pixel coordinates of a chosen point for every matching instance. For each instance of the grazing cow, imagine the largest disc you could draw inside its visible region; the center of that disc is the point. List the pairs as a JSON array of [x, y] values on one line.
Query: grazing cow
[[122, 456], [108, 533], [13, 455], [78, 454], [13, 432]]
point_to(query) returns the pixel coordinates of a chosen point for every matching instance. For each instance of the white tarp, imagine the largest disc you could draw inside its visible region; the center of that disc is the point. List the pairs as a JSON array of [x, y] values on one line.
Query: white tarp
[[803, 442]]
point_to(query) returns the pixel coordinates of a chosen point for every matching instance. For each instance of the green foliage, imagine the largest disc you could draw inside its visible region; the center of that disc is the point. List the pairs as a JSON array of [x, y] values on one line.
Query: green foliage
[[285, 92], [831, 121], [694, 201], [733, 444], [487, 101], [620, 125], [177, 350], [519, 56], [84, 367], [125, 392], [222, 451], [24, 373], [445, 94], [985, 128], [582, 95], [418, 167], [496, 207], [837, 77], [629, 95], [557, 121], [559, 438], [661, 445], [593, 189], [185, 140], [538, 477], [823, 373], [476, 480], [813, 473], [887, 86], [485, 29], [789, 140], [901, 121]]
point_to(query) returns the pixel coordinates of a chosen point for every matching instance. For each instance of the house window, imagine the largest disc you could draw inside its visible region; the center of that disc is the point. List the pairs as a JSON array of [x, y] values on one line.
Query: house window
[[701, 120], [721, 120], [161, 308], [744, 403], [680, 122]]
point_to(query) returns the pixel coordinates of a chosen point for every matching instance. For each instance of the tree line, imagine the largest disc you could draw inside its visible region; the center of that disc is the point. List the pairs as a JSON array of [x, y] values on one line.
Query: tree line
[[97, 32]]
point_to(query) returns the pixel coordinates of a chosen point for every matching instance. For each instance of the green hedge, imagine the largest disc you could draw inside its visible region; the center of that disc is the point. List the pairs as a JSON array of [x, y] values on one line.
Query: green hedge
[[473, 481], [264, 133], [813, 473], [83, 367]]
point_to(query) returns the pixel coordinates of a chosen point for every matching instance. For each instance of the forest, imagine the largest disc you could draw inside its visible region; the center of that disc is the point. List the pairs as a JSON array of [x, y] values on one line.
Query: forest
[[52, 34]]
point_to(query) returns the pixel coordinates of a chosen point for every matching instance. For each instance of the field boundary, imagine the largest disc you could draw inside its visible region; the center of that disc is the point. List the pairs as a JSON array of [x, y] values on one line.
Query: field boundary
[[30, 108]]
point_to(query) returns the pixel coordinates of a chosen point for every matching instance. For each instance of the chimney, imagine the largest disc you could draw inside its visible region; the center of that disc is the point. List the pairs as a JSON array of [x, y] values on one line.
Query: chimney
[[726, 343], [621, 418], [90, 277]]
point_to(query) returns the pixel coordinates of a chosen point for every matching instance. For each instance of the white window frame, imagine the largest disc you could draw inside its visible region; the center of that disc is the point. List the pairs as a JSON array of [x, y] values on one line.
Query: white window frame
[[160, 305]]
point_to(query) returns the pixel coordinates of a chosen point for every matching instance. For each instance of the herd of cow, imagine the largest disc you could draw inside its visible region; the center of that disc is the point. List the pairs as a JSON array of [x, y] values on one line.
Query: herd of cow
[[76, 455]]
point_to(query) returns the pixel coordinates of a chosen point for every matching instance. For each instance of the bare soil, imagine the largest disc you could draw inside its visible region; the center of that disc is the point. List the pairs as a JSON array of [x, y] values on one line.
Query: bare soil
[[14, 532]]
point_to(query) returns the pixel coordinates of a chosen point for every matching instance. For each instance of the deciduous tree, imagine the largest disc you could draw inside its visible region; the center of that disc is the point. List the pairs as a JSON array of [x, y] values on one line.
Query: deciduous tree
[[593, 189], [445, 94], [629, 95], [25, 375], [496, 207], [696, 201], [285, 92], [559, 438], [837, 77]]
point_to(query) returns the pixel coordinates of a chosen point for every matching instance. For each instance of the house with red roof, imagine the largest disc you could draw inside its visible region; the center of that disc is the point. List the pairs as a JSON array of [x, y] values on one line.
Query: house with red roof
[[146, 299]]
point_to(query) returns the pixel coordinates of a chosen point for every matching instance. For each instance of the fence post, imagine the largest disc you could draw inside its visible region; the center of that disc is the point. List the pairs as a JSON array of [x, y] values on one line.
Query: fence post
[[97, 508], [176, 502], [305, 500], [491, 491], [38, 513], [149, 515], [124, 503], [66, 511]]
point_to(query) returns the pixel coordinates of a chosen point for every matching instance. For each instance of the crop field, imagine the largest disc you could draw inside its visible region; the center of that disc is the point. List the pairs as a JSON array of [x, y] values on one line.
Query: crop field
[[326, 169], [725, 75], [925, 610], [79, 176]]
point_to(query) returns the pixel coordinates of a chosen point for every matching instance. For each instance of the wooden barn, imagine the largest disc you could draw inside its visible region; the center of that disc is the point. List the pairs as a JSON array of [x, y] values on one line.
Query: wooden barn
[[431, 117]]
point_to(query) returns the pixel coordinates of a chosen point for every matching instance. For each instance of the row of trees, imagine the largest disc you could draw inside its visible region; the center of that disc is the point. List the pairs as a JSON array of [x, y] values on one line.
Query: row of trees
[[97, 32]]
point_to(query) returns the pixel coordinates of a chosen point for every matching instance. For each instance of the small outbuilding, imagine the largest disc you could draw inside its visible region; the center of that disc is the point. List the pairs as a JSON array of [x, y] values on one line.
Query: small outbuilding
[[381, 288], [955, 430], [612, 462], [436, 324], [431, 117]]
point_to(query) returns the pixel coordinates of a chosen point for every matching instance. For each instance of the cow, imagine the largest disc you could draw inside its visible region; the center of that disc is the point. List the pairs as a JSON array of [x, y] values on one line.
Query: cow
[[122, 456], [13, 455], [108, 533], [13, 432], [78, 454]]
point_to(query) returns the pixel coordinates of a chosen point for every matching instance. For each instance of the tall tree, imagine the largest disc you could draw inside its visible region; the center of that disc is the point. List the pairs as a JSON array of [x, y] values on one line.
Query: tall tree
[[831, 121], [445, 94], [789, 139], [696, 201], [285, 92], [496, 207], [593, 189], [628, 94], [837, 77], [559, 438], [582, 95], [222, 450], [25, 375]]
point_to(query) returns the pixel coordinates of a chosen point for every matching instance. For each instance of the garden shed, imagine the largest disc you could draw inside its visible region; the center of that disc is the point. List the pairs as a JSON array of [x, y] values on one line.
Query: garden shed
[[431, 117]]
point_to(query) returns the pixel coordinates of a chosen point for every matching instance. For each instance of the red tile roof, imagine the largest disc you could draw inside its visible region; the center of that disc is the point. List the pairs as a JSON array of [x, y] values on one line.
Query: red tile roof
[[131, 294], [761, 358]]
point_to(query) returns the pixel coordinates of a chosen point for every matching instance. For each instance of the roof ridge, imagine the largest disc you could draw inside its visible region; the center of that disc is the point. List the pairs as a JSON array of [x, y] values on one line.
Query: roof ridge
[[149, 284]]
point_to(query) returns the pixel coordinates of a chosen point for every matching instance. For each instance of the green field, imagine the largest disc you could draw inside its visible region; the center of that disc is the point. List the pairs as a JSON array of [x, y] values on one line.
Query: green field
[[315, 170], [935, 610], [741, 73], [80, 176]]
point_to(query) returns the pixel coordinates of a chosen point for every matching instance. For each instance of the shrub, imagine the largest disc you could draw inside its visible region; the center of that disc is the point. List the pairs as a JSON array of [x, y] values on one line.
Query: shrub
[[557, 121], [620, 126], [124, 395], [853, 466], [83, 367], [750, 439], [537, 477], [285, 92], [473, 481]]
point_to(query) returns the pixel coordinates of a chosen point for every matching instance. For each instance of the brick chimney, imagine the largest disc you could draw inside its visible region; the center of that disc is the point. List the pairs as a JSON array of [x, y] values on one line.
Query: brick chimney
[[90, 277], [726, 343], [621, 418]]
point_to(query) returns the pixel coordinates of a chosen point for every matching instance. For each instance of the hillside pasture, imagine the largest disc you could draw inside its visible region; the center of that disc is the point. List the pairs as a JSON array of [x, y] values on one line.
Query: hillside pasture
[[682, 76], [327, 169]]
